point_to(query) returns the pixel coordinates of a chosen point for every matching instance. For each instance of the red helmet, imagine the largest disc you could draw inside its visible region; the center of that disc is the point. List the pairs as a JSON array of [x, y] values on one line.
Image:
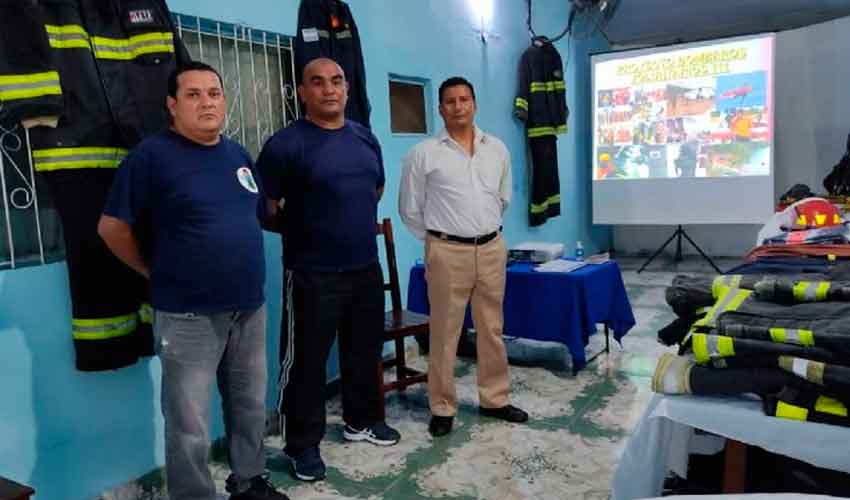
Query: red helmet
[[816, 212]]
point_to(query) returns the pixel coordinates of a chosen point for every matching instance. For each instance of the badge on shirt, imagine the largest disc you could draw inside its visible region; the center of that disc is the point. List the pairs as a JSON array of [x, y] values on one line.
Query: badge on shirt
[[310, 35], [246, 178], [141, 16]]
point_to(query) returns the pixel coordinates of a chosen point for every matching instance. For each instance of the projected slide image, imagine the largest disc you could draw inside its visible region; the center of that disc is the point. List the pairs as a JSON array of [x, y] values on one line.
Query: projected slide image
[[632, 162], [702, 111]]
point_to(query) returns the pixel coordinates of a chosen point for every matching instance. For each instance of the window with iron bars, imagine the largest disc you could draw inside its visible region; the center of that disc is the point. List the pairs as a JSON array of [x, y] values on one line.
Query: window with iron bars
[[257, 69]]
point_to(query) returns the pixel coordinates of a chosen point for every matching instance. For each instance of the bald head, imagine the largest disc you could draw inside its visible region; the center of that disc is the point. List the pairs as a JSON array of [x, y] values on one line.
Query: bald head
[[317, 65], [324, 92]]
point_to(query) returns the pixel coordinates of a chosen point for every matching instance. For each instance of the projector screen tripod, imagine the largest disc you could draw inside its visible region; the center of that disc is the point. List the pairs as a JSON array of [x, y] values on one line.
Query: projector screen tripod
[[678, 233]]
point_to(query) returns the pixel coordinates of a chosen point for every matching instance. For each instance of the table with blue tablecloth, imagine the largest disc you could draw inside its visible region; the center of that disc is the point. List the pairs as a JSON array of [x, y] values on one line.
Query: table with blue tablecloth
[[552, 306]]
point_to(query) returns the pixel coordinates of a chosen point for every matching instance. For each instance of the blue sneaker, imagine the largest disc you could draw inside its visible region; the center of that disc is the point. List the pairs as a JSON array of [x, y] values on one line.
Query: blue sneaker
[[308, 465], [378, 433]]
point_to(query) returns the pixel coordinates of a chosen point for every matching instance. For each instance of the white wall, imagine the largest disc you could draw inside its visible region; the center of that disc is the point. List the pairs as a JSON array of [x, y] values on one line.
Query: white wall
[[812, 119]]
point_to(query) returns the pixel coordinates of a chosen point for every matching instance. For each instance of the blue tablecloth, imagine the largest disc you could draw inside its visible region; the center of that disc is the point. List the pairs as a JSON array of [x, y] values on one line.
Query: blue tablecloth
[[560, 307]]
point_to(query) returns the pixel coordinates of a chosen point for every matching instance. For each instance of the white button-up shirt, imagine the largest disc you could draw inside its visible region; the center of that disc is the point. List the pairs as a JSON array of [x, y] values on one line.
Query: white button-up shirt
[[445, 189]]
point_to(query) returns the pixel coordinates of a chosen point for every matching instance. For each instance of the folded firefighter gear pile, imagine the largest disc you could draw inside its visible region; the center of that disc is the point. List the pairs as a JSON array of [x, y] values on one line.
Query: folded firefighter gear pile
[[785, 338]]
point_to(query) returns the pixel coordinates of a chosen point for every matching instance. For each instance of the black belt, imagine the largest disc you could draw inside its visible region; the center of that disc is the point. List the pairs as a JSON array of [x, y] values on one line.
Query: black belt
[[469, 240]]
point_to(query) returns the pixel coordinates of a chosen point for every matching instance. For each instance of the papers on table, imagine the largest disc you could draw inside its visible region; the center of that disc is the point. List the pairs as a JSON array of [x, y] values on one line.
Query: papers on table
[[599, 258], [559, 266]]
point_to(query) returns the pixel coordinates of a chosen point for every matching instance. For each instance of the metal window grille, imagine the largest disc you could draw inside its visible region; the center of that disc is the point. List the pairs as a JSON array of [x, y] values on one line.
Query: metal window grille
[[257, 70]]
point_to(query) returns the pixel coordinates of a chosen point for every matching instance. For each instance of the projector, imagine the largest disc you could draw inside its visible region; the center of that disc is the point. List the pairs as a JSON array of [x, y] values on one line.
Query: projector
[[537, 252]]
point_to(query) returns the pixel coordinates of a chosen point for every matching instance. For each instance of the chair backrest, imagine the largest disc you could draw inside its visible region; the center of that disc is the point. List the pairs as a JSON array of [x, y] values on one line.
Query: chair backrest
[[385, 228]]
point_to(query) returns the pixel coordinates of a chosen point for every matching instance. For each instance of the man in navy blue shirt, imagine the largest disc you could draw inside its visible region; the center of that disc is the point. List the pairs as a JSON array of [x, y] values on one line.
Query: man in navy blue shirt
[[194, 193], [324, 176]]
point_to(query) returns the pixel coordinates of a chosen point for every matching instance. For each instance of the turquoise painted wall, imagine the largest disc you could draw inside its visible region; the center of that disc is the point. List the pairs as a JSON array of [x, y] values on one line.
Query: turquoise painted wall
[[72, 435]]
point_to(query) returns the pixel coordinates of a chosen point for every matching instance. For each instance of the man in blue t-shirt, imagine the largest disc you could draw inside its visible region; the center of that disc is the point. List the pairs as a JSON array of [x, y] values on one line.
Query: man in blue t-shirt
[[192, 197], [324, 176]]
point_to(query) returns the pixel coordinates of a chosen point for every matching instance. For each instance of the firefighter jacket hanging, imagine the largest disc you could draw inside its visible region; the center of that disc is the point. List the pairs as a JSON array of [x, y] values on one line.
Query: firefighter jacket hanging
[[101, 67], [541, 103], [326, 28]]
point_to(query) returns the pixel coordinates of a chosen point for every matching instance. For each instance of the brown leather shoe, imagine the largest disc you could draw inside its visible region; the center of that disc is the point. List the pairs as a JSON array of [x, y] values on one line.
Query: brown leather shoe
[[440, 426], [508, 413]]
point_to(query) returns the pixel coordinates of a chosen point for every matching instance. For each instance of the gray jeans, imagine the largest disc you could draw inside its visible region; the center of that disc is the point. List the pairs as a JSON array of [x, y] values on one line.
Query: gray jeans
[[193, 348]]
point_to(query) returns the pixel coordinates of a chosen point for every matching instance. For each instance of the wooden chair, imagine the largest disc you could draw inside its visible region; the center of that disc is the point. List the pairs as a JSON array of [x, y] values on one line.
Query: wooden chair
[[399, 323], [10, 490]]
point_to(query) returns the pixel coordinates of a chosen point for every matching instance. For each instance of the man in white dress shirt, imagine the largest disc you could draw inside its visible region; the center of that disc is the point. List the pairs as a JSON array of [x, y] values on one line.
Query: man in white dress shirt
[[454, 188]]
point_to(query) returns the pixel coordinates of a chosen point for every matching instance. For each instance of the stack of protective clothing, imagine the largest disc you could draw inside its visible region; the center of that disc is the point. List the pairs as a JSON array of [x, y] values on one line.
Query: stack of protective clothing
[[785, 338], [88, 78]]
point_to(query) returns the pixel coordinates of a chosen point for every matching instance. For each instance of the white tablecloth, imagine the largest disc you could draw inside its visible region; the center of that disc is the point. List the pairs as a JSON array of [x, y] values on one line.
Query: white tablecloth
[[664, 436]]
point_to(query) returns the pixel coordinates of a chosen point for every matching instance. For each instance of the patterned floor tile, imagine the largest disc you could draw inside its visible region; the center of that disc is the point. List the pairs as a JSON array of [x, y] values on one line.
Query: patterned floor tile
[[569, 449]]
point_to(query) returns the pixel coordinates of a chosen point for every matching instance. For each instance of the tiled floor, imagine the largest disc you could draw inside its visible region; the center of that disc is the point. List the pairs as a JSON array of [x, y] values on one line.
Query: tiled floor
[[568, 450]]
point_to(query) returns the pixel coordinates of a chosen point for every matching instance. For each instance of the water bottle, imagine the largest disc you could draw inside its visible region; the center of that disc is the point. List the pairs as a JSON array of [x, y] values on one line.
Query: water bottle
[[579, 251]]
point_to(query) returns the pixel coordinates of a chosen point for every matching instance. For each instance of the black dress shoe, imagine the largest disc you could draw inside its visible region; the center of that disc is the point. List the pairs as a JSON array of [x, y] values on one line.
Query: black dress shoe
[[440, 426], [508, 413]]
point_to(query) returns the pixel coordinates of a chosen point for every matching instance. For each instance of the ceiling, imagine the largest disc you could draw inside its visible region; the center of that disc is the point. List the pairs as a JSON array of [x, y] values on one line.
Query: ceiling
[[654, 22]]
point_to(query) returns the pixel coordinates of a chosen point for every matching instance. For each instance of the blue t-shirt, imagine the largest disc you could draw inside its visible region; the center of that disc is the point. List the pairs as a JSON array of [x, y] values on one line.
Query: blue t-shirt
[[329, 182], [202, 205]]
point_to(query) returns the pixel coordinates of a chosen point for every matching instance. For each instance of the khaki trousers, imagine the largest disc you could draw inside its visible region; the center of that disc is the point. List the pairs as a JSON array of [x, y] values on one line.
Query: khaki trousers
[[457, 273]]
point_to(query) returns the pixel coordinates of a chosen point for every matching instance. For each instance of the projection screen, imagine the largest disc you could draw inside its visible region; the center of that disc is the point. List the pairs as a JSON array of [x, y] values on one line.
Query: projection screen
[[683, 134]]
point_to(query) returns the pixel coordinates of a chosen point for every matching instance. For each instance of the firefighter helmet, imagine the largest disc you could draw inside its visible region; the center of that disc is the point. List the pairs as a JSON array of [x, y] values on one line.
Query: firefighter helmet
[[816, 212]]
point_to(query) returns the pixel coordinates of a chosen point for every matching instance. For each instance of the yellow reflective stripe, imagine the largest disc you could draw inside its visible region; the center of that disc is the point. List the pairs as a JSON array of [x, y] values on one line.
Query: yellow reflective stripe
[[740, 296], [130, 48], [103, 328], [45, 77], [134, 53], [725, 346], [822, 290], [543, 131], [70, 44], [777, 335], [146, 313], [785, 410], [700, 348], [727, 281], [807, 291], [70, 165], [27, 86], [521, 103], [792, 336], [831, 406], [549, 86], [717, 286], [65, 29], [160, 36], [728, 300], [72, 158], [68, 36], [65, 152], [9, 95], [706, 347], [540, 208]]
